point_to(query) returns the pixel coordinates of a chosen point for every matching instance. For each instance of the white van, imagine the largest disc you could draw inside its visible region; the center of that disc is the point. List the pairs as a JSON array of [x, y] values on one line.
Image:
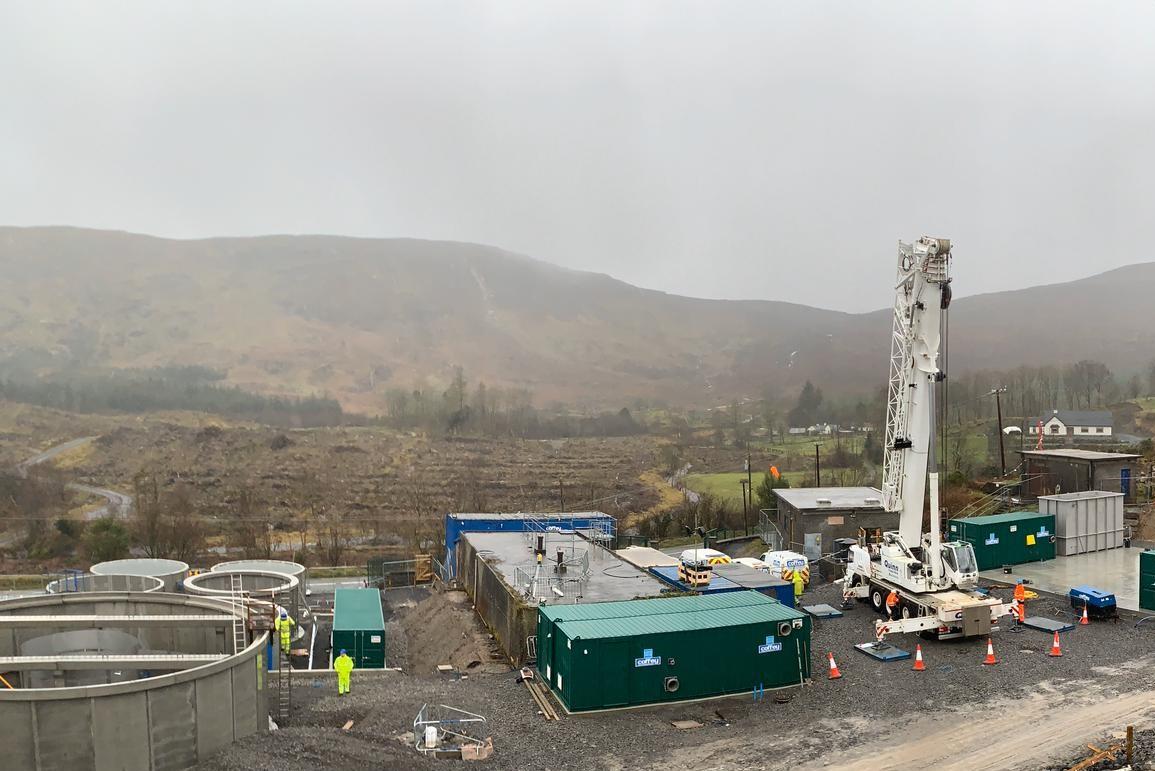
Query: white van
[[704, 557], [784, 563]]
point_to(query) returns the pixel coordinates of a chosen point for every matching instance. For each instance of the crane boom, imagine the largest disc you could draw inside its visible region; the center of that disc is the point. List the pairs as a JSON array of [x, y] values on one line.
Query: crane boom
[[922, 292]]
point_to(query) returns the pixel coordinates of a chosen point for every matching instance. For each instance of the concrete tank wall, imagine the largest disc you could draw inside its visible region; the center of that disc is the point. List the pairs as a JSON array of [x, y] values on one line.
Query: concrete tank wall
[[172, 572], [93, 582], [296, 569], [153, 638], [281, 588], [164, 723]]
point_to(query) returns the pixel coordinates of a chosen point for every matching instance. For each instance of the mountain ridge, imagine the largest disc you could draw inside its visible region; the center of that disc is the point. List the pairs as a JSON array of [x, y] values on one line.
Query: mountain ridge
[[354, 317]]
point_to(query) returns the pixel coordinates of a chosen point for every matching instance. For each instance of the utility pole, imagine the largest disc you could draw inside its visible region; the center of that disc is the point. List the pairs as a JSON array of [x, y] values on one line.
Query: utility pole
[[998, 393], [749, 481], [745, 510], [817, 467]]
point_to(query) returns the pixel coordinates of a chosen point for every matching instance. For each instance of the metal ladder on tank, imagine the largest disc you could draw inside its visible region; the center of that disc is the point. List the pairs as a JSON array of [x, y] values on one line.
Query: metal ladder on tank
[[237, 605], [284, 677]]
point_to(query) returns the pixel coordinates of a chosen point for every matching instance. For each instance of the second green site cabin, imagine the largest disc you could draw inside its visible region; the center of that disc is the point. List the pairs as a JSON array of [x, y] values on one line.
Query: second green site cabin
[[1008, 539], [619, 654], [1147, 579], [359, 627]]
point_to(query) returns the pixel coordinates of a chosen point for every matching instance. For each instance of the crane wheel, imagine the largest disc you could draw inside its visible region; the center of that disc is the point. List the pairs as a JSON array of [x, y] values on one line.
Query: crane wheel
[[877, 598]]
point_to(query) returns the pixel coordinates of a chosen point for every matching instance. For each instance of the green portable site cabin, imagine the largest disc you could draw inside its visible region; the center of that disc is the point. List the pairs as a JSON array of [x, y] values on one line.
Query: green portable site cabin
[[359, 627], [1147, 579], [621, 654], [1008, 539]]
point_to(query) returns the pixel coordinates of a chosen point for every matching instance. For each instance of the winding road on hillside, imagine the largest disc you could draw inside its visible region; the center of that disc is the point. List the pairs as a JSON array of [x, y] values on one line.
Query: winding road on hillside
[[117, 504]]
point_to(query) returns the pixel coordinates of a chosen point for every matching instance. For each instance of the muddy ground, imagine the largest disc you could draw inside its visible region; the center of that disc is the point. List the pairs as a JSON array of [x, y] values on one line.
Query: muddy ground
[[1030, 711]]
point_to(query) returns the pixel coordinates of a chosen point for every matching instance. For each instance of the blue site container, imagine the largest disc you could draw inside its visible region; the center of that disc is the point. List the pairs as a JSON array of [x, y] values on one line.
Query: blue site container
[[757, 580], [669, 574], [456, 524], [731, 578]]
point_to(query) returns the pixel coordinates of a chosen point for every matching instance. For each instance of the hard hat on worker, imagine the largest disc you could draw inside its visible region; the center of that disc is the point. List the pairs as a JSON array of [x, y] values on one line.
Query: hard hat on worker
[[342, 651], [284, 614]]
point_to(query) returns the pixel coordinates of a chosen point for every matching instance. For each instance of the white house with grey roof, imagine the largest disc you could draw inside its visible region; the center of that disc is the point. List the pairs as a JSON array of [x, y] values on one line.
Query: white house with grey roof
[[1074, 423]]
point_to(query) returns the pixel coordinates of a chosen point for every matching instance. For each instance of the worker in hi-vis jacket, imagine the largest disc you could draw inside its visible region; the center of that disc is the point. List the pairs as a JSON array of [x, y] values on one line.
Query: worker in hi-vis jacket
[[284, 625], [344, 666]]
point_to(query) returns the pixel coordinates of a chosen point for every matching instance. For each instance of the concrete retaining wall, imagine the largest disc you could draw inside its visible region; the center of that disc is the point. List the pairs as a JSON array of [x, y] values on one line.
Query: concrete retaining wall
[[509, 618]]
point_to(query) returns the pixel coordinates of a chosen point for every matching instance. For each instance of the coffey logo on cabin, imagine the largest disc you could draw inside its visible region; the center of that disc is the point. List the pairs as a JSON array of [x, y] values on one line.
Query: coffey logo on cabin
[[648, 659], [770, 646]]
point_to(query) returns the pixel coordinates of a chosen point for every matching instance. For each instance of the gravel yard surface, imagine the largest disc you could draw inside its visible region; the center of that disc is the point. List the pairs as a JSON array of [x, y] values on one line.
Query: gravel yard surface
[[957, 714]]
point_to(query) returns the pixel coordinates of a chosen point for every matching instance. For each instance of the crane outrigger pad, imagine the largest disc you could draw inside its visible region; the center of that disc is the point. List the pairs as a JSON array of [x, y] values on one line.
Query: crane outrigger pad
[[1047, 624], [822, 611], [883, 651]]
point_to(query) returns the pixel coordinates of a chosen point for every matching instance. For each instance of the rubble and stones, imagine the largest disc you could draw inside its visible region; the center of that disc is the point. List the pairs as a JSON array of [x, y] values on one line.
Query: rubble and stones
[[819, 722]]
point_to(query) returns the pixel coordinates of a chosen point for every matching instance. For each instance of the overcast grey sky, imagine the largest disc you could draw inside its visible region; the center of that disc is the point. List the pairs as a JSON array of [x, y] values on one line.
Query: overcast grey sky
[[720, 149]]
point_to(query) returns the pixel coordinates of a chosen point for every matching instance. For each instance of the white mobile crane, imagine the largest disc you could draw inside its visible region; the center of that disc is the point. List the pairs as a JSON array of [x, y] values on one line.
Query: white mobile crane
[[935, 581]]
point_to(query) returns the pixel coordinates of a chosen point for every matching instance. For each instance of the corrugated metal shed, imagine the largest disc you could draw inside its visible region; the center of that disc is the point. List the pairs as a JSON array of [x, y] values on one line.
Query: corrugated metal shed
[[1086, 521], [601, 628], [658, 605], [359, 626], [1008, 539], [661, 650], [1147, 579]]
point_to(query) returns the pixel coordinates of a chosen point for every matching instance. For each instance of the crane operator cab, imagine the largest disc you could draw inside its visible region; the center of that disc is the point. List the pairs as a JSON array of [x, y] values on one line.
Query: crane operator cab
[[959, 564]]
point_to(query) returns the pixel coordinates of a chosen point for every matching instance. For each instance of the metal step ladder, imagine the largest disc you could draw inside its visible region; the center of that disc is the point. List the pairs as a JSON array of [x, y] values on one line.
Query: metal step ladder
[[284, 684], [237, 603]]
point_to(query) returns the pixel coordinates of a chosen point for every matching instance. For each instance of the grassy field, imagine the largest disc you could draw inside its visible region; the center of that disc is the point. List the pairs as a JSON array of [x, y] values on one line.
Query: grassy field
[[728, 486]]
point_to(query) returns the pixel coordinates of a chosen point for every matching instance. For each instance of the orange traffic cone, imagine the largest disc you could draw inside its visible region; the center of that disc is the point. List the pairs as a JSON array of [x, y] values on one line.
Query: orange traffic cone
[[1056, 651], [834, 673], [990, 659], [919, 666], [1084, 621]]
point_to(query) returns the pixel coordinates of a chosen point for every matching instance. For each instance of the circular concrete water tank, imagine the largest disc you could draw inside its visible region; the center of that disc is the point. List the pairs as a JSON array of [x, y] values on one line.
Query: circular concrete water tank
[[271, 586], [105, 583], [271, 566], [174, 719], [172, 572]]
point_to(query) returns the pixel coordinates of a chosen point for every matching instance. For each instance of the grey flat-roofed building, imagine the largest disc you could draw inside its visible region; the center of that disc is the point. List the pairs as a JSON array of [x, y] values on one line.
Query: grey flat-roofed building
[[811, 518], [1051, 472]]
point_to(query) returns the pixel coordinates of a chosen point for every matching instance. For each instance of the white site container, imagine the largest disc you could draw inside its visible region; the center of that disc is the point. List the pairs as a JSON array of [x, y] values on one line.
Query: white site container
[[1085, 522]]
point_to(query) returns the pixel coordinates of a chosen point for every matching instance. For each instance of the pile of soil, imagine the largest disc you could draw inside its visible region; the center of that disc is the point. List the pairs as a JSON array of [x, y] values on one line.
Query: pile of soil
[[444, 629]]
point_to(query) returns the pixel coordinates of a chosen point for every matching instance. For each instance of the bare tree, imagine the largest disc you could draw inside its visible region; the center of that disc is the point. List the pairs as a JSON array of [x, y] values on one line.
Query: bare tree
[[186, 529], [252, 526], [166, 524], [423, 522], [147, 525]]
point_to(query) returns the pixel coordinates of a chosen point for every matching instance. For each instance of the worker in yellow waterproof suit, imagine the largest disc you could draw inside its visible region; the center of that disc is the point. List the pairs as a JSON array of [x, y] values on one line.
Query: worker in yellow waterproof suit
[[284, 625], [799, 585], [344, 666]]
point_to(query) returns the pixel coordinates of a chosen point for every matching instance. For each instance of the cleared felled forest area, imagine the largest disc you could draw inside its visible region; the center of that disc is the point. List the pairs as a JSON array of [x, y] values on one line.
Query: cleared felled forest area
[[362, 485]]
